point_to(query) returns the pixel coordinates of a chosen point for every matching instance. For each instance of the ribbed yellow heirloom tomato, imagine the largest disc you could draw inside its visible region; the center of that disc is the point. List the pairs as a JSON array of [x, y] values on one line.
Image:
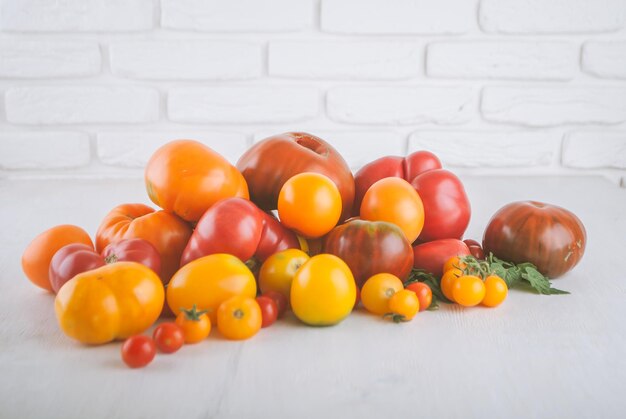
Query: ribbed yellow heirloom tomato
[[323, 291], [209, 281], [112, 302], [278, 270]]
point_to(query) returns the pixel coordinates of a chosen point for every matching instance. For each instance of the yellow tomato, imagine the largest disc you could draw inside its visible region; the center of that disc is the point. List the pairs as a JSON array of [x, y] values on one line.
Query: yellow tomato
[[323, 291], [209, 281], [452, 263], [239, 318], [403, 306], [278, 270], [112, 302], [468, 290], [377, 291], [447, 282], [495, 291]]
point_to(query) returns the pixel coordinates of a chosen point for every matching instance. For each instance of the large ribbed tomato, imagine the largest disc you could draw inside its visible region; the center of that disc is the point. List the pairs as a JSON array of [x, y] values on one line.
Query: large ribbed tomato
[[550, 237]]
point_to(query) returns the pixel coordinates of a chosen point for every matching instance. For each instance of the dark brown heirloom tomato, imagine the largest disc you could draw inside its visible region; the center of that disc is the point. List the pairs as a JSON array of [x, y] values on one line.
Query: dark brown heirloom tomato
[[371, 247], [550, 237]]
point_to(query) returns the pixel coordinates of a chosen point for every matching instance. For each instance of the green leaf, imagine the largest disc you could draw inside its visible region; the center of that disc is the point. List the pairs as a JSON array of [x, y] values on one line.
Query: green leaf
[[540, 282], [420, 275]]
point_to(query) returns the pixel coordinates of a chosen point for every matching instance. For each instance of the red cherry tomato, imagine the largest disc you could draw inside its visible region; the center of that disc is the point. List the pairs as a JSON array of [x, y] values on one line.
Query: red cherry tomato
[[138, 351], [168, 337], [269, 310], [281, 301], [423, 292], [475, 248]]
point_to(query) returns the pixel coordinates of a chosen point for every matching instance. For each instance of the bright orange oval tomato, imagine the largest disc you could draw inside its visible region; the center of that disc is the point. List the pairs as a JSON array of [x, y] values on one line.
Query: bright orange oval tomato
[[196, 324], [186, 177], [495, 291], [278, 270], [209, 281], [309, 204], [394, 200], [239, 318], [403, 306], [377, 291], [468, 290], [447, 282]]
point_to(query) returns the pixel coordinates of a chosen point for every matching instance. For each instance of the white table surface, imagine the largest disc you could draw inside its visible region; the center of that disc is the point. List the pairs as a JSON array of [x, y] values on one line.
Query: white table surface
[[535, 356]]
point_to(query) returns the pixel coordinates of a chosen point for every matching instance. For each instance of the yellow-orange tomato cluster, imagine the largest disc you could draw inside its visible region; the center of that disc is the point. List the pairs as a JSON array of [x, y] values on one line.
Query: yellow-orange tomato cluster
[[470, 289]]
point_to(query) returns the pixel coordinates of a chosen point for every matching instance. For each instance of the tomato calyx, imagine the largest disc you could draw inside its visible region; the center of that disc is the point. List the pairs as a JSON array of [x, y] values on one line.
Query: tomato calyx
[[238, 314], [193, 314], [396, 318], [110, 259]]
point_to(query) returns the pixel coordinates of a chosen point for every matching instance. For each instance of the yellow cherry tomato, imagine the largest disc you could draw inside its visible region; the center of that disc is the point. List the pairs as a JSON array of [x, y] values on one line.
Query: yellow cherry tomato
[[239, 318], [468, 290], [209, 281], [278, 270], [196, 324], [323, 291], [112, 302], [377, 291], [495, 291], [447, 282], [454, 263], [403, 306]]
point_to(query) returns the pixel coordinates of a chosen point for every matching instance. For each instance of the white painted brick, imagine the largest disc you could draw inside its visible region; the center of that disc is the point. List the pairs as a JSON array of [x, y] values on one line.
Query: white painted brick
[[76, 15], [552, 16], [605, 59], [345, 59], [188, 59], [488, 148], [41, 59], [134, 149], [398, 16], [237, 15], [505, 60], [247, 104], [595, 149], [547, 106], [81, 104], [401, 104], [356, 147], [43, 150]]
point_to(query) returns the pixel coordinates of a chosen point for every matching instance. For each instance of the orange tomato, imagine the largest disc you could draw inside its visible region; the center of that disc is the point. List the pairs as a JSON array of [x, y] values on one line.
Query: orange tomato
[[394, 200], [309, 204], [186, 177], [196, 324], [495, 291], [377, 291], [239, 318], [38, 254], [454, 262], [278, 270], [403, 306], [423, 292], [468, 290], [447, 282]]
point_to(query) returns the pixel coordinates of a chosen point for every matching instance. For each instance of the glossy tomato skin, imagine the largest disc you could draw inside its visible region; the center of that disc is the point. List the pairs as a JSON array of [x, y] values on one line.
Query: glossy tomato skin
[[268, 164], [134, 250], [168, 337], [433, 255], [71, 260], [138, 351], [269, 310], [550, 237], [475, 248], [446, 206], [371, 247], [275, 237]]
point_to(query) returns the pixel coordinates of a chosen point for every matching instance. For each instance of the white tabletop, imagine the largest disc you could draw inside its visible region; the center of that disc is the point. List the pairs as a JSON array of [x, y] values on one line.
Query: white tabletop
[[535, 356]]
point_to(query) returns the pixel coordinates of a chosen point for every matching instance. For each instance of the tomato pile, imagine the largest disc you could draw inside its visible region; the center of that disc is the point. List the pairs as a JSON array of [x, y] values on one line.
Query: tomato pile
[[290, 227]]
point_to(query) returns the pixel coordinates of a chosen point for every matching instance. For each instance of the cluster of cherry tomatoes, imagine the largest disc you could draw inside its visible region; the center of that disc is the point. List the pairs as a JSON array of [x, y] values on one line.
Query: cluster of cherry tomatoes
[[470, 285]]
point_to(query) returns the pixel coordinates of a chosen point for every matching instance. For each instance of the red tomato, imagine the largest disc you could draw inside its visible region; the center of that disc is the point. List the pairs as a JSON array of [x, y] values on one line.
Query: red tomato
[[70, 261], [423, 292], [138, 351], [134, 250], [168, 337], [433, 255], [269, 310], [281, 300]]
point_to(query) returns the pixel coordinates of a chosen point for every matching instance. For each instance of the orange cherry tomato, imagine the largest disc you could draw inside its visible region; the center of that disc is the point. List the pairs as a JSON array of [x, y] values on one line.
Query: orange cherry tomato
[[468, 290], [447, 282], [196, 324], [454, 262], [394, 200], [377, 291], [239, 318], [495, 291], [423, 292], [403, 306]]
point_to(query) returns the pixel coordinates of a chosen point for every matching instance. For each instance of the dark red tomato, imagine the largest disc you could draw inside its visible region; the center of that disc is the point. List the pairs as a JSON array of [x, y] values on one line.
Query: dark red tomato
[[475, 248], [71, 260], [282, 302], [168, 337], [431, 256], [274, 238], [138, 351], [446, 206], [550, 237], [134, 250], [371, 247], [269, 310], [423, 292], [268, 164]]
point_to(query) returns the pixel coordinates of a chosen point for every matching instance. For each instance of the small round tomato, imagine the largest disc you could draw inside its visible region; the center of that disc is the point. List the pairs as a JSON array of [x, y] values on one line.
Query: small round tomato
[[239, 318], [403, 306], [278, 270], [196, 324], [454, 262], [423, 292], [138, 351], [309, 204], [281, 300], [447, 282], [394, 200], [377, 291], [495, 291], [468, 290], [169, 337], [269, 310], [475, 248]]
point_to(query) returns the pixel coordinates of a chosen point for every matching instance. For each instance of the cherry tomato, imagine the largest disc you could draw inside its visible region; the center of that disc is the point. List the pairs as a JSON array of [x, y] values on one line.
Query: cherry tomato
[[403, 306], [239, 318], [377, 291], [281, 300], [447, 282], [278, 270], [453, 262], [423, 292], [138, 351], [468, 290], [169, 337], [196, 324], [269, 310], [495, 291]]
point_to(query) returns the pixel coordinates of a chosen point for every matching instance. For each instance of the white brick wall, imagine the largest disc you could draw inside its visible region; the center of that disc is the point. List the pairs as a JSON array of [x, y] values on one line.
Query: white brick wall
[[93, 87]]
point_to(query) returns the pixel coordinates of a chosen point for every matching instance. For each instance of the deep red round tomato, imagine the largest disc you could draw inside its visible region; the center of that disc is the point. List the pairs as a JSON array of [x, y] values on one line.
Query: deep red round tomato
[[433, 255], [269, 310], [168, 337], [423, 292], [475, 248], [550, 237], [138, 351], [282, 301], [134, 250], [71, 260]]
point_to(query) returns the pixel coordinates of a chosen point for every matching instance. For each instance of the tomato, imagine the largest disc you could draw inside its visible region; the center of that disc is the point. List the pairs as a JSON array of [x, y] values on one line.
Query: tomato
[[70, 260], [239, 318], [209, 281], [138, 351], [433, 255], [38, 254], [495, 291], [185, 177], [423, 292], [371, 247], [274, 238], [269, 310], [403, 306], [550, 237], [377, 291], [453, 262], [269, 163], [168, 337], [196, 325], [468, 290], [309, 204], [134, 250], [323, 291], [278, 270], [395, 201], [112, 302], [446, 206], [448, 280], [166, 232], [475, 248]]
